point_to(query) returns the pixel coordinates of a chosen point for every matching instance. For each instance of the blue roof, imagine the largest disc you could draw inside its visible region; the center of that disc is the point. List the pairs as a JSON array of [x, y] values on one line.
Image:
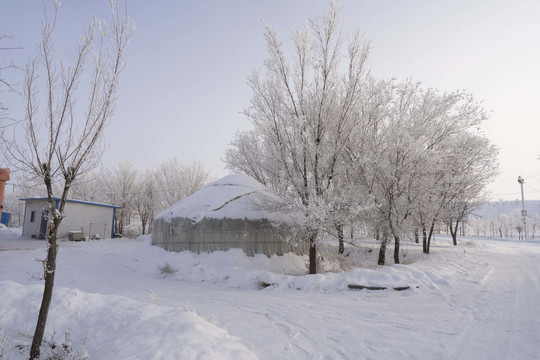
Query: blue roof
[[74, 201]]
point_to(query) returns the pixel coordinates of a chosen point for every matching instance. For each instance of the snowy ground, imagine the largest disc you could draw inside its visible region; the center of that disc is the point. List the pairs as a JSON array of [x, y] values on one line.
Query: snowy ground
[[475, 301]]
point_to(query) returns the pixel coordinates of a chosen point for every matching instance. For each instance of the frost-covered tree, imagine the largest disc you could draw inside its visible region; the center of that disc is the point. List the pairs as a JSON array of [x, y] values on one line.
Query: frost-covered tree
[[6, 44], [459, 167], [516, 223], [333, 144], [140, 193], [247, 154], [146, 199], [504, 225], [473, 195], [87, 188], [390, 153], [535, 222], [59, 139], [302, 111], [176, 180], [418, 155], [119, 186]]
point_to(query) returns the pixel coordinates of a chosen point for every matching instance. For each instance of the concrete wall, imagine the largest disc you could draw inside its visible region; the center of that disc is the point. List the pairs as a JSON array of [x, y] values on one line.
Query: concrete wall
[[91, 219], [88, 218], [252, 236], [31, 224]]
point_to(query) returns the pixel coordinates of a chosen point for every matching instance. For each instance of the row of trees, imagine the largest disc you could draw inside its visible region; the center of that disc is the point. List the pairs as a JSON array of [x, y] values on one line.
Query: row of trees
[[140, 193], [143, 193], [343, 148], [503, 225]]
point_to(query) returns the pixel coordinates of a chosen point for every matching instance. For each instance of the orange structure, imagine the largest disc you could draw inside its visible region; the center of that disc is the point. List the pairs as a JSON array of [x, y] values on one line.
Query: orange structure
[[4, 176]]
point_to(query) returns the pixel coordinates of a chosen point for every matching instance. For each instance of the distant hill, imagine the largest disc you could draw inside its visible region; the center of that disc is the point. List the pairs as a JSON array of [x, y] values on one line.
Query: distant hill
[[494, 208]]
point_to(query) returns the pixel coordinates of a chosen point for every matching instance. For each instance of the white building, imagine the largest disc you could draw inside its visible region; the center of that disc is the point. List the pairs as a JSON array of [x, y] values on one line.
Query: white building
[[89, 218]]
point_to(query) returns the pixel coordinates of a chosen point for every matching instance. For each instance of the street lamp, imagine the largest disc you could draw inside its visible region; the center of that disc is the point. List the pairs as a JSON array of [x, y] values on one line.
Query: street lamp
[[523, 211]]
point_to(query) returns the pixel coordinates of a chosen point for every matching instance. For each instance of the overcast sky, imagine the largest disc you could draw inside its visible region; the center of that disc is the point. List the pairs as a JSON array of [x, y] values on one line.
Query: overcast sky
[[185, 84]]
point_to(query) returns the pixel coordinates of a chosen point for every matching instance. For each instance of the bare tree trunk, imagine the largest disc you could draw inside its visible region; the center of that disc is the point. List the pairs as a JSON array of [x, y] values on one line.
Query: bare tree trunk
[[382, 249], [312, 252], [396, 249], [50, 270], [416, 237], [454, 231], [143, 223], [341, 247], [424, 241], [382, 252], [454, 238], [429, 236]]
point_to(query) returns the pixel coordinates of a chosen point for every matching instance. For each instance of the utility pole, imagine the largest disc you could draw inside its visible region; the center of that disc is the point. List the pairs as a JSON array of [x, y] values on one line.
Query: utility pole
[[523, 211]]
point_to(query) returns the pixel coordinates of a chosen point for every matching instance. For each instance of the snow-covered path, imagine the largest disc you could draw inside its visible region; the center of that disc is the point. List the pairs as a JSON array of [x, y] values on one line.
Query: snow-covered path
[[502, 314], [486, 308], [475, 301]]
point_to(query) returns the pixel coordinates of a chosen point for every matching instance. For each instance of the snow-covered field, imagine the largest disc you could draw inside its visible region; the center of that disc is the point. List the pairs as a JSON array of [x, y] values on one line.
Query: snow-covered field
[[124, 299]]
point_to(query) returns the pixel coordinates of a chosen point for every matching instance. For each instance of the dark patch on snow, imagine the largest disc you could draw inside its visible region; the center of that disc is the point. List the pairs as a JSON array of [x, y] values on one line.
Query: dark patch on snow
[[361, 287]]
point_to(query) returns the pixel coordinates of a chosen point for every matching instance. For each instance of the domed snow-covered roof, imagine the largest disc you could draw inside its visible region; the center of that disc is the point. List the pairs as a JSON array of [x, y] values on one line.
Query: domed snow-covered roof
[[235, 196]]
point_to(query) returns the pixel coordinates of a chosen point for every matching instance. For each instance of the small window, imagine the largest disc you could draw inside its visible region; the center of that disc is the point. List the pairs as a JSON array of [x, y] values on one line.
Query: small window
[[32, 216]]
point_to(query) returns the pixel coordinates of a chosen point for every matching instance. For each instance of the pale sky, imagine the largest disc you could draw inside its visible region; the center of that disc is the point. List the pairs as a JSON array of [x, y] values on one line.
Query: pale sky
[[185, 83]]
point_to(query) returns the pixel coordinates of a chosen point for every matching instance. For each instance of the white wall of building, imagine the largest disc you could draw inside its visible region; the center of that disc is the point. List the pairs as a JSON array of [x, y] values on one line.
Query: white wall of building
[[90, 218], [32, 217]]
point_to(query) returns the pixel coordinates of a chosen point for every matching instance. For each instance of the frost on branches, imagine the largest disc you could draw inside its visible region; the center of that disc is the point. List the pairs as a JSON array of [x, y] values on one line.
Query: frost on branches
[[59, 139], [346, 150], [303, 112]]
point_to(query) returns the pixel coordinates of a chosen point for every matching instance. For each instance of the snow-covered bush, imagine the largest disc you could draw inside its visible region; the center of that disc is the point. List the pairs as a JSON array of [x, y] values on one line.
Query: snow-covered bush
[[52, 350], [167, 269]]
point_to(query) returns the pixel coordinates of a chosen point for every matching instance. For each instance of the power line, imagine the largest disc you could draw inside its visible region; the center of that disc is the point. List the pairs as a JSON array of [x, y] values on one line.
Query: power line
[[517, 193], [528, 177]]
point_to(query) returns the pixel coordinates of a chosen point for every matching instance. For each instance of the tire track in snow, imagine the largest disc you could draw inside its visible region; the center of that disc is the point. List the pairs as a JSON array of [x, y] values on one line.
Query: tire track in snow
[[502, 318]]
